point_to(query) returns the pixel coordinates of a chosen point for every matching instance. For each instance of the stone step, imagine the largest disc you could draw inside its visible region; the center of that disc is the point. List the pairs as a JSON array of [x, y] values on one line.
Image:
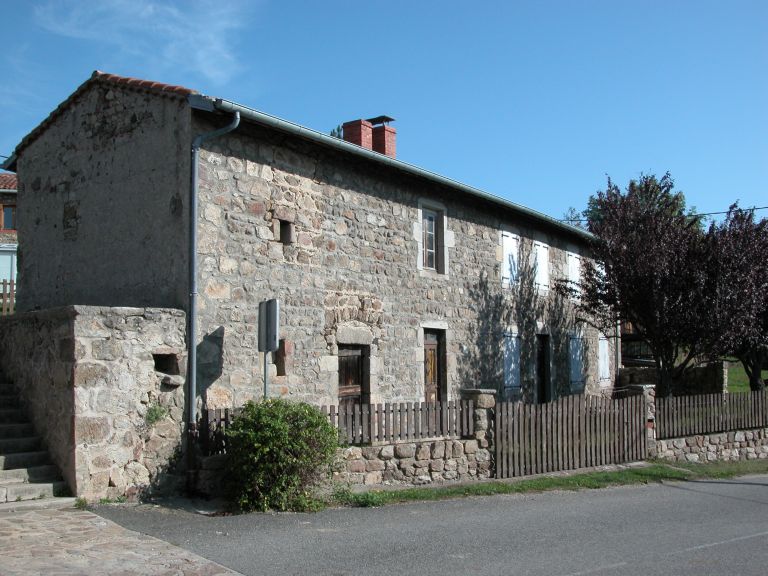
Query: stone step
[[9, 400], [12, 416], [24, 460], [45, 473], [16, 430], [24, 491], [15, 445]]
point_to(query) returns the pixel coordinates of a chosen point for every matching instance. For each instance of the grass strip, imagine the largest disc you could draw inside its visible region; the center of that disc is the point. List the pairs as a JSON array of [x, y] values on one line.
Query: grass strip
[[655, 472]]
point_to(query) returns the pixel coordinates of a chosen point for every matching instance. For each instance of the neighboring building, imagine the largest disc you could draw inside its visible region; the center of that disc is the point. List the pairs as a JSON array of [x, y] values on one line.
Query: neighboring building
[[395, 284], [8, 243]]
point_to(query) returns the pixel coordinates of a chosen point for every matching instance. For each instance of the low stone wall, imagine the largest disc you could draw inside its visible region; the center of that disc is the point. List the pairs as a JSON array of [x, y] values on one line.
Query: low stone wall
[[419, 462], [414, 463], [737, 445], [103, 387], [37, 352]]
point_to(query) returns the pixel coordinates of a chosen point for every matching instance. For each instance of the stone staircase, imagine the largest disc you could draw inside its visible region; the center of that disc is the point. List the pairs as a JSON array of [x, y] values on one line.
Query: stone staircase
[[26, 471]]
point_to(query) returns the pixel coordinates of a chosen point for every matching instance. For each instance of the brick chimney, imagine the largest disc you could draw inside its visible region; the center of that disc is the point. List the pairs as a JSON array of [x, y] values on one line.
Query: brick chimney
[[358, 132], [374, 134]]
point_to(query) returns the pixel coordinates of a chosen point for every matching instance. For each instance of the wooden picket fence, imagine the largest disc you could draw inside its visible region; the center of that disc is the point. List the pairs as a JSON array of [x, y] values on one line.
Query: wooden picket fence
[[571, 432], [403, 421], [710, 413], [212, 429], [8, 297], [363, 424]]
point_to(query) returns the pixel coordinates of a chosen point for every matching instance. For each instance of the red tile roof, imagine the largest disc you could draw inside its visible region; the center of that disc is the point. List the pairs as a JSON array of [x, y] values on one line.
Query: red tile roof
[[7, 181], [98, 77]]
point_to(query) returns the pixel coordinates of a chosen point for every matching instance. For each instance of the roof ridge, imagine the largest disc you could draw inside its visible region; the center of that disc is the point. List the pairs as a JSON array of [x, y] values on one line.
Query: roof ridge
[[98, 76]]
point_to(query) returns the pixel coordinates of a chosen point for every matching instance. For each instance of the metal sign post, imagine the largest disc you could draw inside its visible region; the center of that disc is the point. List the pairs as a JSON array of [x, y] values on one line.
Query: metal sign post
[[269, 331]]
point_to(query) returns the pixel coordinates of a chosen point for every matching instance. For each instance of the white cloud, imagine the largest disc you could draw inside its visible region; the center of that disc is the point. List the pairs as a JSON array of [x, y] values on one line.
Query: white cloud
[[191, 36]]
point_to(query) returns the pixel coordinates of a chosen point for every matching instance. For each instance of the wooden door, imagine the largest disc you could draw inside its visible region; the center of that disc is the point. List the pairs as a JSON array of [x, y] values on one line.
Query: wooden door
[[432, 367]]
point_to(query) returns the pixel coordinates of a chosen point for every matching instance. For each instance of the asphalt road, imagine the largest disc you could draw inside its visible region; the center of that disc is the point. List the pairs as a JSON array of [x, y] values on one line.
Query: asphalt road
[[703, 528]]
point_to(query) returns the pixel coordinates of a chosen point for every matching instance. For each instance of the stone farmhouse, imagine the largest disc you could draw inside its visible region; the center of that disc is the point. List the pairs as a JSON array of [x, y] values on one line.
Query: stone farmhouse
[[394, 283]]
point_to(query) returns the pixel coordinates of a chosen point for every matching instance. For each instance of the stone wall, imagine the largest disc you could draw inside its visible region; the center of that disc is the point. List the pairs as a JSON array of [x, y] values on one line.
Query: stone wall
[[336, 239], [89, 377], [103, 205], [429, 461], [735, 445], [37, 353]]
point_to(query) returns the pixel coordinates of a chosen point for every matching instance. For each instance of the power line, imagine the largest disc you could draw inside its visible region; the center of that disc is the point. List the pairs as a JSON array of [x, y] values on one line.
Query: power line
[[753, 209]]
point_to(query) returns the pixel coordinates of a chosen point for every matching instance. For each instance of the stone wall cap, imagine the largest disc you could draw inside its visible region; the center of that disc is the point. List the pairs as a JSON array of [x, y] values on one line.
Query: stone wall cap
[[477, 391]]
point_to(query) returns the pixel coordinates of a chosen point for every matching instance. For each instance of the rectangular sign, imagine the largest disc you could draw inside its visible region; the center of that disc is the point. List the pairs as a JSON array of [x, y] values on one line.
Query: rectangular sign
[[269, 325]]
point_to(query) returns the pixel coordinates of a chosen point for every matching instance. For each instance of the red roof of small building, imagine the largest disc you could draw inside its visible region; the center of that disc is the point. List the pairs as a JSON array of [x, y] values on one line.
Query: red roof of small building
[[99, 77], [7, 181]]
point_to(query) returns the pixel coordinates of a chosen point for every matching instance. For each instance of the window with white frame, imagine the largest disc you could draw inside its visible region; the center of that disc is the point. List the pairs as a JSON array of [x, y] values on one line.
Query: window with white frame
[[430, 232], [574, 268], [510, 246], [604, 361], [576, 360], [541, 255], [512, 381], [429, 239]]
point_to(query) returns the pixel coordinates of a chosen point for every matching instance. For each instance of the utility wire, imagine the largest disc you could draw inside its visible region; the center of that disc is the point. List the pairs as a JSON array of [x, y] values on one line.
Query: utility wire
[[752, 209]]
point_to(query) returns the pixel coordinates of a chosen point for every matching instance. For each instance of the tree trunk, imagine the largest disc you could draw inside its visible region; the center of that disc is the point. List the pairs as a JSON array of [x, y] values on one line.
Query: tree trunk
[[755, 370]]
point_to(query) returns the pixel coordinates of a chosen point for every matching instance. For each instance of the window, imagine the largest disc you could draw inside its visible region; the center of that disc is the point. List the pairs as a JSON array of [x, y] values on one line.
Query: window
[[604, 361], [576, 358], [429, 241], [511, 363], [354, 374], [8, 221], [574, 268], [541, 254], [510, 246], [285, 231], [433, 239]]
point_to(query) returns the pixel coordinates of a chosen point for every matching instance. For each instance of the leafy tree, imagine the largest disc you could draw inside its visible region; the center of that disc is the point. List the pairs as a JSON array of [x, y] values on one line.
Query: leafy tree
[[574, 217], [650, 273], [737, 291], [337, 132], [652, 196]]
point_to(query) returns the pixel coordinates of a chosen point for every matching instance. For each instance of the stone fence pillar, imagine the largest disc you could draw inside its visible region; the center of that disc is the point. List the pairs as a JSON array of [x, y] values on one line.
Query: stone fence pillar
[[649, 400], [484, 401]]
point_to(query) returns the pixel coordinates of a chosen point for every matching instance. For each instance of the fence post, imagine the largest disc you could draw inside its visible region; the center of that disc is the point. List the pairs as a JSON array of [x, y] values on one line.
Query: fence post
[[649, 405]]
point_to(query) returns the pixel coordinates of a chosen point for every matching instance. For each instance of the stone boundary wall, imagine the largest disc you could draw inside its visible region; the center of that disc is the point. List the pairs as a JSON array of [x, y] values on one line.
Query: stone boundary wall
[[37, 355], [726, 446], [417, 462], [88, 376], [414, 463]]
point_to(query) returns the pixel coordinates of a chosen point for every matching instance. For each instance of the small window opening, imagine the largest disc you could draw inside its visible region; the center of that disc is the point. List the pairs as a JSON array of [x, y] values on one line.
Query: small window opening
[[286, 232], [166, 364]]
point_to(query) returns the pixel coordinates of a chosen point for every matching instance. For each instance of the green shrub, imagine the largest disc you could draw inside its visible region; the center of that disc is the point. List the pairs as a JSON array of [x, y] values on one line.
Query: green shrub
[[277, 451]]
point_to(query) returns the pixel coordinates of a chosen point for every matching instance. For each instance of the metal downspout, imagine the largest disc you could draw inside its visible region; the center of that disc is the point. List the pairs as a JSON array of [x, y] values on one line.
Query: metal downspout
[[192, 253]]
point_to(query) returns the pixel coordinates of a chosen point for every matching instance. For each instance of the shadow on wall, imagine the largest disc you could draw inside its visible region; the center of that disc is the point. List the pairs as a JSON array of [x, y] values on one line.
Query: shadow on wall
[[210, 359], [518, 308]]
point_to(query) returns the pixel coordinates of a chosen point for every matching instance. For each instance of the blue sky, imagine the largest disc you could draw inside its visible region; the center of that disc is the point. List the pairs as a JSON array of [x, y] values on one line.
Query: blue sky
[[533, 101]]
